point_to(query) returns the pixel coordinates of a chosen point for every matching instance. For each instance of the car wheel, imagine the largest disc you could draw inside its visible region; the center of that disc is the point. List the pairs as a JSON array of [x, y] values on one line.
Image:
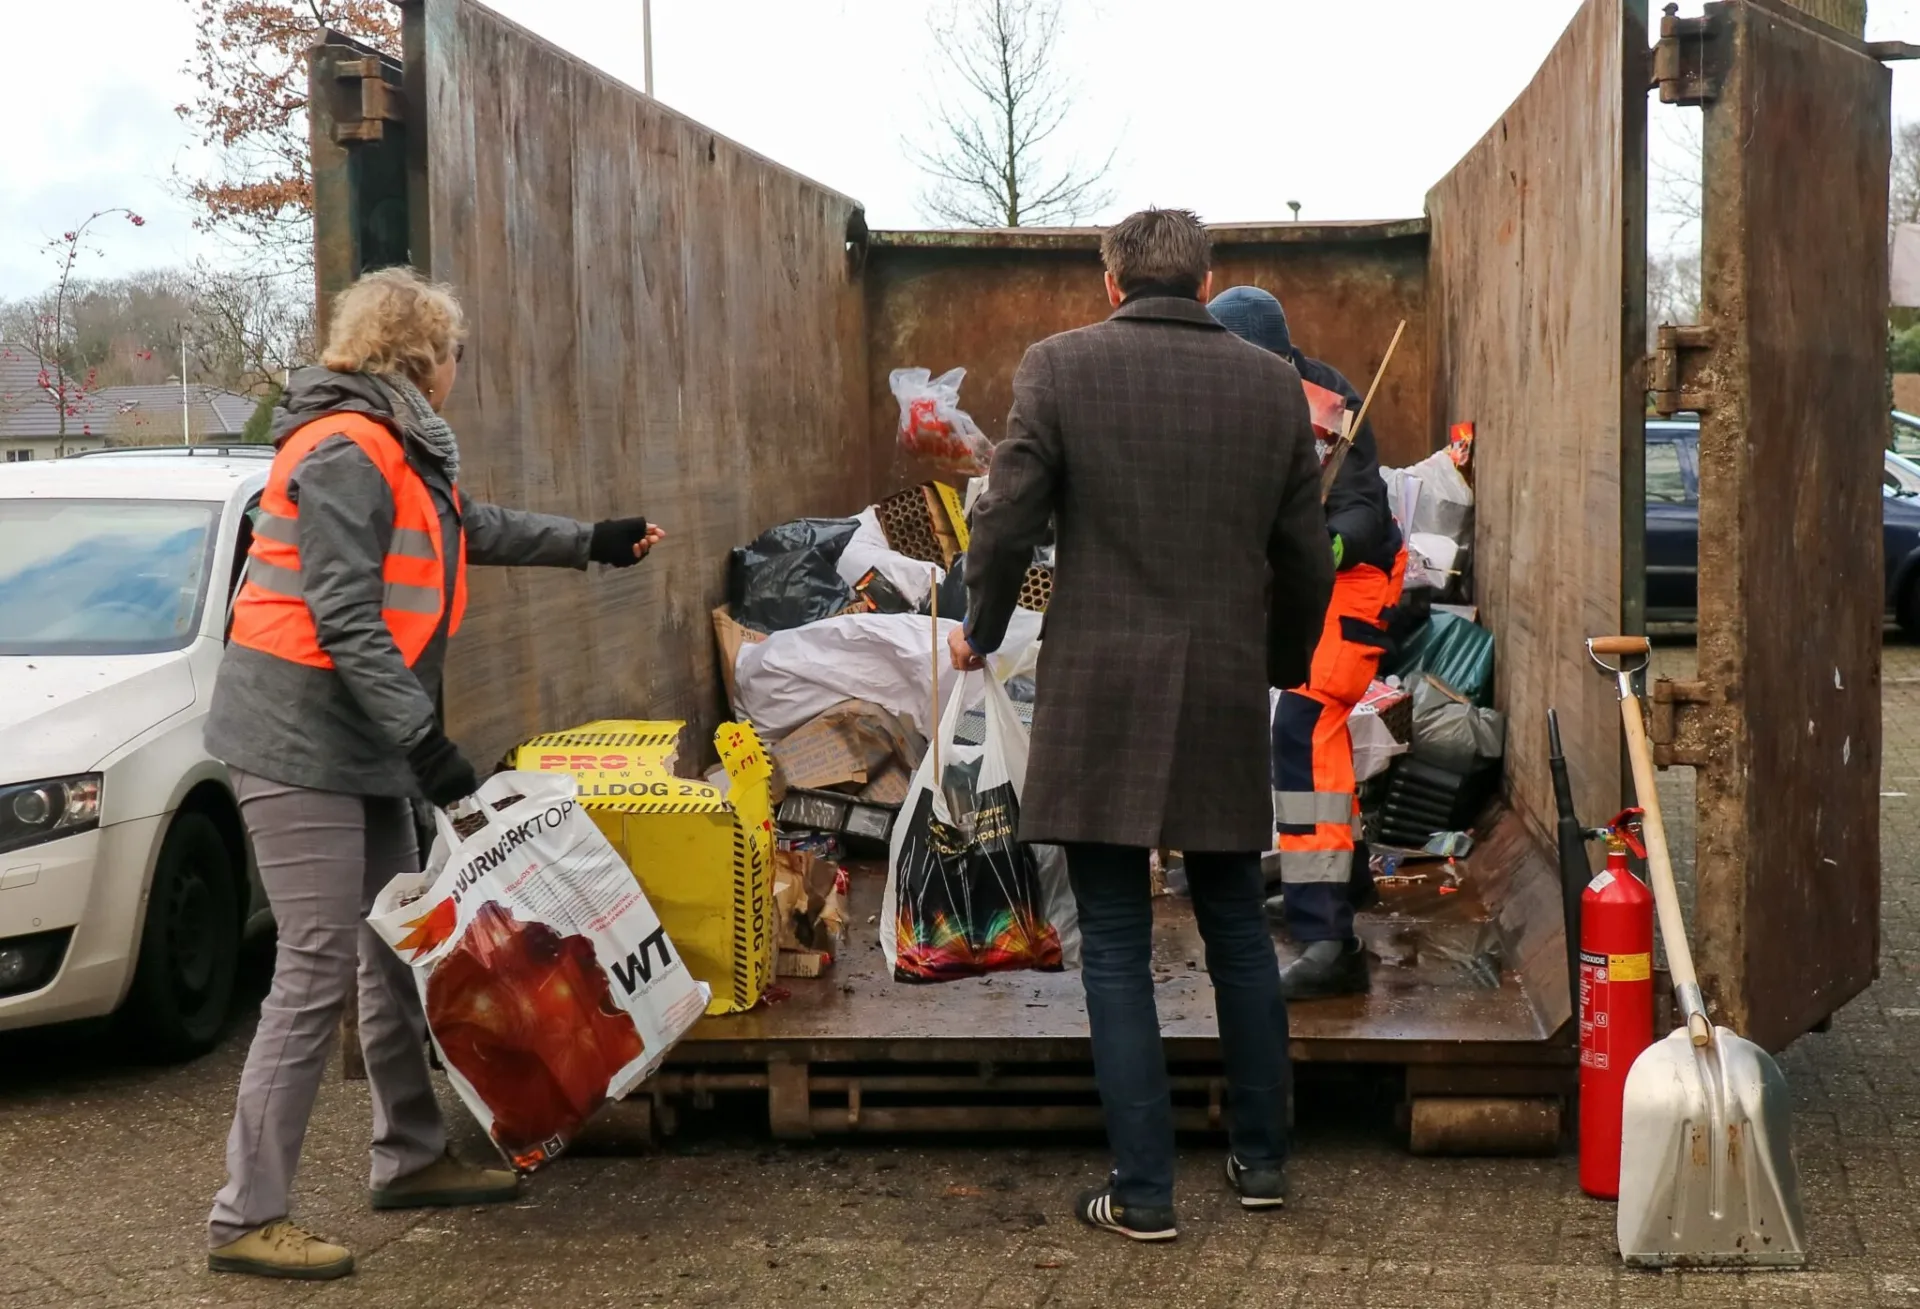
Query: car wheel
[[183, 986], [1906, 610]]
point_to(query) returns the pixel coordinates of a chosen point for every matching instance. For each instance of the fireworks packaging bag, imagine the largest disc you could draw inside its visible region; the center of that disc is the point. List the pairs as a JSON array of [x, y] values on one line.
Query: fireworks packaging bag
[[932, 423], [964, 896], [549, 985]]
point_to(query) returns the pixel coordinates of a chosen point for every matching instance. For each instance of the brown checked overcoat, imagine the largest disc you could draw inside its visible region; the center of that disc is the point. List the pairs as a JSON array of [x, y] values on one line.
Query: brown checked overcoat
[[1192, 570]]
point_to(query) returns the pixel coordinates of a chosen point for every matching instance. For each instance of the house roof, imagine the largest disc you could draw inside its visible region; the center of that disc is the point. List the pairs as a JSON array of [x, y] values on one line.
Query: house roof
[[27, 411]]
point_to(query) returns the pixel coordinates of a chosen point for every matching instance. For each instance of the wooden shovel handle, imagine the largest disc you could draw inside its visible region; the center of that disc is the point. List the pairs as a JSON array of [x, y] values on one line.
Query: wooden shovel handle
[[1666, 895], [1618, 645]]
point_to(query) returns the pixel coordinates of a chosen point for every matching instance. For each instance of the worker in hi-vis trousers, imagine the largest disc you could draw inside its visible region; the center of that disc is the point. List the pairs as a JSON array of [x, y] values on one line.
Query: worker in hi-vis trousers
[[1324, 870]]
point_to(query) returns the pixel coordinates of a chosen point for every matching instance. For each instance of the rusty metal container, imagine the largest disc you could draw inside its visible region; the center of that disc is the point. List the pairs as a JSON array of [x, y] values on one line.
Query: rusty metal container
[[665, 322]]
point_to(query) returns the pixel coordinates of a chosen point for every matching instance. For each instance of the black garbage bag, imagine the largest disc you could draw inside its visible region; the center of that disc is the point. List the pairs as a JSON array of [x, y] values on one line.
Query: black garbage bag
[[953, 591], [787, 578]]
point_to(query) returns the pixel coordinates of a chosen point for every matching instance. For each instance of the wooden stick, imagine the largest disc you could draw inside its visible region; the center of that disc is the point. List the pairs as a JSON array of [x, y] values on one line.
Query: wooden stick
[[1339, 453], [939, 778]]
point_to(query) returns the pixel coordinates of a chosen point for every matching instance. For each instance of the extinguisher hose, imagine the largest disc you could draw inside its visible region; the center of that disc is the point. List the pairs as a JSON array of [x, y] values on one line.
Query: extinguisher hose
[[1575, 870]]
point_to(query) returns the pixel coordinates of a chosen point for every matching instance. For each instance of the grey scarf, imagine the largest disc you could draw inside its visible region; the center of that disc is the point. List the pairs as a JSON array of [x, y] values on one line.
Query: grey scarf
[[423, 422]]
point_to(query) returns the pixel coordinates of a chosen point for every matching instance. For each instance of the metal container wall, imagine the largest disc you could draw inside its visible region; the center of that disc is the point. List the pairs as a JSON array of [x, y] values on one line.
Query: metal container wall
[[980, 298], [662, 323], [1538, 288]]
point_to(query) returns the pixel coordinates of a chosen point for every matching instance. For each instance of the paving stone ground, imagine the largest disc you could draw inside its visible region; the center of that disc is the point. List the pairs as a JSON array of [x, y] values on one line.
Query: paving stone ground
[[106, 1172]]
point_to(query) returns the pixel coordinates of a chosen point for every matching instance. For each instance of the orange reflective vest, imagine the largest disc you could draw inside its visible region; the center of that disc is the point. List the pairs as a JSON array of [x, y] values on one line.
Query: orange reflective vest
[[271, 615]]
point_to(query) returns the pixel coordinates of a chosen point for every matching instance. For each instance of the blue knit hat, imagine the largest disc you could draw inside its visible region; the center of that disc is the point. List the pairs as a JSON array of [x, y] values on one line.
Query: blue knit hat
[[1255, 316]]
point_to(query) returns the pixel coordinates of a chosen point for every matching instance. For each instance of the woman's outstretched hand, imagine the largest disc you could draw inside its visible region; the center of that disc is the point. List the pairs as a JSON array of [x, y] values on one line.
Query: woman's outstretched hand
[[623, 542]]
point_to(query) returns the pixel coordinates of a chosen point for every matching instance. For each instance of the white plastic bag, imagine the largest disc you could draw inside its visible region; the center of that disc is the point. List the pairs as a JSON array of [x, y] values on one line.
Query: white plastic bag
[[964, 896], [868, 550], [1432, 560], [792, 677], [1374, 746], [1431, 496], [549, 985], [932, 423]]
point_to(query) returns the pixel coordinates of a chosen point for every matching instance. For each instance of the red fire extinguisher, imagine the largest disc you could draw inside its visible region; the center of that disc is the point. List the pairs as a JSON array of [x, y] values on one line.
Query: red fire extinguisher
[[1616, 1000]]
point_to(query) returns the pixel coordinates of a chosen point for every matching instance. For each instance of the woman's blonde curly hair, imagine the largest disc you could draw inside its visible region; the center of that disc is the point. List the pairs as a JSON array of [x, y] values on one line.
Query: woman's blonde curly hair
[[393, 321]]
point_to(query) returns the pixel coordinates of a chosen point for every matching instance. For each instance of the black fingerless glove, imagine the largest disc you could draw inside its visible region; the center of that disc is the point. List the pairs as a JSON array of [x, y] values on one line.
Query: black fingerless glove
[[443, 772], [614, 539]]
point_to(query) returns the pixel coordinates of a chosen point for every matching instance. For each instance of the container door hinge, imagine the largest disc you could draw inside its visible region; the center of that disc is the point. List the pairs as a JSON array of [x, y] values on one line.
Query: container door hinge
[[1678, 373], [381, 102], [1680, 60], [1678, 727]]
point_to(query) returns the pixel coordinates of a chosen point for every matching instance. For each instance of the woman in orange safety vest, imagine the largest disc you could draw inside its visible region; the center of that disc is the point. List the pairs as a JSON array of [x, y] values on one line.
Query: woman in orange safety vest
[[325, 713]]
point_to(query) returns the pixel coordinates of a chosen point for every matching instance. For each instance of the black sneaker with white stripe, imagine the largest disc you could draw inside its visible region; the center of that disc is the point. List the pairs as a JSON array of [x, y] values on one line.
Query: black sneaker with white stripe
[[1098, 1208], [1259, 1188]]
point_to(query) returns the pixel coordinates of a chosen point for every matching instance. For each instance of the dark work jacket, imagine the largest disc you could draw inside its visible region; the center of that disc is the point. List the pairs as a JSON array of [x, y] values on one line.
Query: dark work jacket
[[1357, 509]]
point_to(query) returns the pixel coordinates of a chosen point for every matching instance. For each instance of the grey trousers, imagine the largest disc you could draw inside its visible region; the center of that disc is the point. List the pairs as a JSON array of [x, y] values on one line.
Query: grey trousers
[[323, 857]]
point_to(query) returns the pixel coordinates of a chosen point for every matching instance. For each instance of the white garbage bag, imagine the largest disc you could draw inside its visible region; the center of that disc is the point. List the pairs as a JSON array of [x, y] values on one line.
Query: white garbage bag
[[792, 677], [868, 550]]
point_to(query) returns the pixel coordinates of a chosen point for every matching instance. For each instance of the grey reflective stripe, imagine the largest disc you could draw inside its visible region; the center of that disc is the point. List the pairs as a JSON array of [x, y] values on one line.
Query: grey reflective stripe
[[413, 543], [275, 528], [412, 599], [1298, 808], [1315, 867], [272, 577]]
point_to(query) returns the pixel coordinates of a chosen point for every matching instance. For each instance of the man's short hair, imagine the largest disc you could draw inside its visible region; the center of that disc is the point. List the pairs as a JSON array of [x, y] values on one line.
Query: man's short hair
[[1165, 249]]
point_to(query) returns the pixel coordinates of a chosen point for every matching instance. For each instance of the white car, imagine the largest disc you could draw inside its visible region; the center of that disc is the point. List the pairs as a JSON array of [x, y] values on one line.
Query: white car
[[126, 883]]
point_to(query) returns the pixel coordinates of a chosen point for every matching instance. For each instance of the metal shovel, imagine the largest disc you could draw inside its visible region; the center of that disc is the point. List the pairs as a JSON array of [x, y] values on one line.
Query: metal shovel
[[1706, 1165]]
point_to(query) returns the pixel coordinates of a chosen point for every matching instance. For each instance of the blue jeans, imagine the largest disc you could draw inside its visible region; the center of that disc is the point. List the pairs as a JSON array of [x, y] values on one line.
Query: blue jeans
[[1110, 884]]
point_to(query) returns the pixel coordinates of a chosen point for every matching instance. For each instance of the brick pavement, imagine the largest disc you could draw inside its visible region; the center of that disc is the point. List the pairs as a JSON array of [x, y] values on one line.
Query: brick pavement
[[106, 1172]]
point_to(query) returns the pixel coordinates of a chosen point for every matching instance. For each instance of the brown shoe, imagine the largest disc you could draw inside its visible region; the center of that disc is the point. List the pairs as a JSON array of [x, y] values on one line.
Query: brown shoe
[[446, 1183], [282, 1250]]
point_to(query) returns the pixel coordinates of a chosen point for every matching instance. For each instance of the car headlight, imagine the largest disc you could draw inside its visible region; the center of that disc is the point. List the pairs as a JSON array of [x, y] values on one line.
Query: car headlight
[[32, 812]]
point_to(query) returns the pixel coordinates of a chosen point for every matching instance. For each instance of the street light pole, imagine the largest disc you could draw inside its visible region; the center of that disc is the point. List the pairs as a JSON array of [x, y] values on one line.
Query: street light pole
[[186, 414], [646, 42]]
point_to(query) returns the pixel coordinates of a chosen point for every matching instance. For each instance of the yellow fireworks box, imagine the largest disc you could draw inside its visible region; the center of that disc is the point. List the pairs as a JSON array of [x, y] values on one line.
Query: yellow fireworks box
[[703, 856]]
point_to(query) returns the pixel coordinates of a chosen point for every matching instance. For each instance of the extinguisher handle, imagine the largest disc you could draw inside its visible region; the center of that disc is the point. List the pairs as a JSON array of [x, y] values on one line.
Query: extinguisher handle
[[1666, 895]]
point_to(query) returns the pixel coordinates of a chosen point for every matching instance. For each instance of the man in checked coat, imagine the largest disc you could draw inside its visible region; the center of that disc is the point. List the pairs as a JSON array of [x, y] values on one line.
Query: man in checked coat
[[1191, 572]]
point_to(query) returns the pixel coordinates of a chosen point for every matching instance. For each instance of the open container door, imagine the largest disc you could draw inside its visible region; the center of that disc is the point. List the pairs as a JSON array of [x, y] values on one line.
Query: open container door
[[1537, 293], [1788, 372], [661, 322]]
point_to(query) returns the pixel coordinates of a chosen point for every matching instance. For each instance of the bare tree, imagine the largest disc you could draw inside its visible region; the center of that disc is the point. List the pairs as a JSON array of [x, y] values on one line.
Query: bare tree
[[1903, 190], [1676, 180], [61, 382], [236, 330], [1673, 291], [990, 165]]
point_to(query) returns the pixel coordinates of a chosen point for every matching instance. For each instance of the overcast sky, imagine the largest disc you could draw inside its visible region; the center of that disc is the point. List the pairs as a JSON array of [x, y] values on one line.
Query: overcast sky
[[1231, 107]]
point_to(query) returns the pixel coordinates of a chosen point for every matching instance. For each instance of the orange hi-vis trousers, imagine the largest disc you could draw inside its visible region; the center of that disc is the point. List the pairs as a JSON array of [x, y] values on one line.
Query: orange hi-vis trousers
[[1314, 806]]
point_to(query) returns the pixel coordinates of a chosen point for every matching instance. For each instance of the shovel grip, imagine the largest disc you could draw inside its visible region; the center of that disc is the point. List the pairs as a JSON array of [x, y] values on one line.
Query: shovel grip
[[1666, 896], [1618, 645]]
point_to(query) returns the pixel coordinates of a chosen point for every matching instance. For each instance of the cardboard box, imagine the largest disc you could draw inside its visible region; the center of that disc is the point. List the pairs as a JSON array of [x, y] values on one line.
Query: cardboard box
[[890, 786], [705, 859], [802, 963], [731, 637], [848, 746]]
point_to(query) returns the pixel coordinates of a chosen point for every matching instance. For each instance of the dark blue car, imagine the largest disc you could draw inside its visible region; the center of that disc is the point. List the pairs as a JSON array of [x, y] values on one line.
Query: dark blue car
[[1673, 526]]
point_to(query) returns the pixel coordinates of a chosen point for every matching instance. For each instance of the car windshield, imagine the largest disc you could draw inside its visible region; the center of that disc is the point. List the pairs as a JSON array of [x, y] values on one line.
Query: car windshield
[[102, 576]]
